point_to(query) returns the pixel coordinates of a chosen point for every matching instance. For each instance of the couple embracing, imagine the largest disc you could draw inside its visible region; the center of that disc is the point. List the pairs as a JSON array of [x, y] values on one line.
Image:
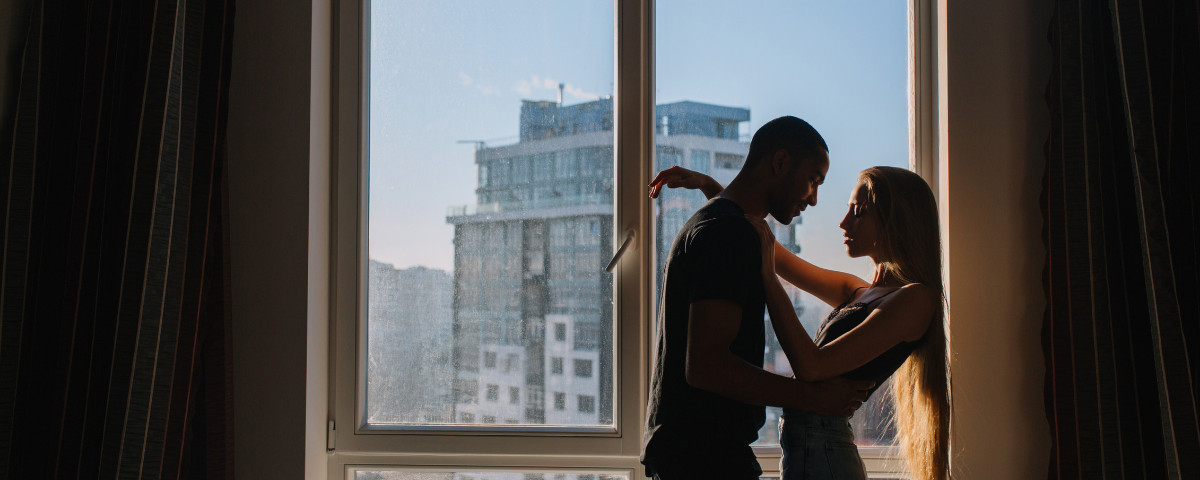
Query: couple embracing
[[708, 388]]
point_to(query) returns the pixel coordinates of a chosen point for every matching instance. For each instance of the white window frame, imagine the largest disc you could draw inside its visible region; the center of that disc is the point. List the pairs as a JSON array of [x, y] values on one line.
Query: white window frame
[[355, 446]]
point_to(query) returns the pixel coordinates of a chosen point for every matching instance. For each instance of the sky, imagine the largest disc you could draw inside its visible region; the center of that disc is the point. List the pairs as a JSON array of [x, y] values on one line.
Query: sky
[[457, 70]]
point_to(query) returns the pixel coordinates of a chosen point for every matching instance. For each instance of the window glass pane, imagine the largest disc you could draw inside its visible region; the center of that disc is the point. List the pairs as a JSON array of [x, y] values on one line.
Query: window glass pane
[[490, 212], [840, 66], [411, 475]]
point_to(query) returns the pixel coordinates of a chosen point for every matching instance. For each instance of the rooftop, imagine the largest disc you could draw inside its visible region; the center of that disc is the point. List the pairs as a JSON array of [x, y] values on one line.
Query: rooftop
[[542, 120]]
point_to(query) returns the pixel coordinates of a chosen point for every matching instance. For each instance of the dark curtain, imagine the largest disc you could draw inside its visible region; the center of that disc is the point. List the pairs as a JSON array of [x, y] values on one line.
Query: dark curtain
[[1120, 201], [114, 336]]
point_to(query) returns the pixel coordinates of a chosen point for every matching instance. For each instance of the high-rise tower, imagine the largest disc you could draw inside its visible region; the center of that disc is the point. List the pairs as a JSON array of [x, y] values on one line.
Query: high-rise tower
[[533, 313]]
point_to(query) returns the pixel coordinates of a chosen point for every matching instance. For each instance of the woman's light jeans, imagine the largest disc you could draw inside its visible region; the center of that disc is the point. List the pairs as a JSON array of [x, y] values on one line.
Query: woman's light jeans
[[817, 447]]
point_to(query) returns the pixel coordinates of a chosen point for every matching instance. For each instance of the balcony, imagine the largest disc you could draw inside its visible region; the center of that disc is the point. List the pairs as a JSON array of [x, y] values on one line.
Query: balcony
[[601, 204]]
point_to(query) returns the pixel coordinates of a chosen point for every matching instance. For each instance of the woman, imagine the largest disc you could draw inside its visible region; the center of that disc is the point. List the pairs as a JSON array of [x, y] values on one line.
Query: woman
[[893, 326]]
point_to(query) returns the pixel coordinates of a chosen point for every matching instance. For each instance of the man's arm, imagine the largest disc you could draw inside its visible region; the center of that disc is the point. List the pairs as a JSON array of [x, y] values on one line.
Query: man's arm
[[712, 327]]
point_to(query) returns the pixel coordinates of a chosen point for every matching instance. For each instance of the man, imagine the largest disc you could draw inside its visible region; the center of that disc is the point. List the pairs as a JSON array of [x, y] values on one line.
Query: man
[[708, 389]]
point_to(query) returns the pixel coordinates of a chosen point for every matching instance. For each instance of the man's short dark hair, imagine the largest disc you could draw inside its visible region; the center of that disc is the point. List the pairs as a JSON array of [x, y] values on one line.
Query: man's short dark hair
[[796, 136]]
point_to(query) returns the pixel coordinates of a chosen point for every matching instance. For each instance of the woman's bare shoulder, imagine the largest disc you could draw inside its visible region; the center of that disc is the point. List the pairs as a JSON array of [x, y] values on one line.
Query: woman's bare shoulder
[[921, 292], [913, 306]]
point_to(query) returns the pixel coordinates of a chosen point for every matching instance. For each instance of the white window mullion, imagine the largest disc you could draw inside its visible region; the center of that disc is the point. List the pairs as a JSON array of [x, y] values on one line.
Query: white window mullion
[[634, 144]]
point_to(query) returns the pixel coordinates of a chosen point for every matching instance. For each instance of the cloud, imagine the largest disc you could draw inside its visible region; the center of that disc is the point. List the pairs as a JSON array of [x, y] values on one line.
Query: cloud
[[527, 87], [524, 88], [579, 94], [466, 81]]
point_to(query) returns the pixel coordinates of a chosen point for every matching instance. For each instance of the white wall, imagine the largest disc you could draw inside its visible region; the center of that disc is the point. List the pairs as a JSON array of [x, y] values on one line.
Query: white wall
[[278, 140], [994, 123], [317, 412]]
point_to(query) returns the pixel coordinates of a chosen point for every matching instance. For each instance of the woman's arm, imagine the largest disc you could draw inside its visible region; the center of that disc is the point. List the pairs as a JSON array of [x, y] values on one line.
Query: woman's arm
[[903, 316], [679, 177], [831, 286]]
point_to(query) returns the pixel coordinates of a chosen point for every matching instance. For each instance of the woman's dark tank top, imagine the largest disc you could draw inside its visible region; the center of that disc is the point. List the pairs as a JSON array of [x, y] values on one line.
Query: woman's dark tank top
[[849, 315]]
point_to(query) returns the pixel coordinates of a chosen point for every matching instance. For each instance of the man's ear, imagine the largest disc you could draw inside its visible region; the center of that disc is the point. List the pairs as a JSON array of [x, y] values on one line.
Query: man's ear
[[780, 161]]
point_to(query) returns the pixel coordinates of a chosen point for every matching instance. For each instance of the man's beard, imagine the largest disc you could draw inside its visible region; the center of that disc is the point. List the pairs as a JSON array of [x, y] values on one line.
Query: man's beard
[[784, 218], [781, 209]]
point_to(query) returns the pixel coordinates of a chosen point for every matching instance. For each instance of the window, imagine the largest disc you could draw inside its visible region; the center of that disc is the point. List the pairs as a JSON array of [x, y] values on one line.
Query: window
[[587, 404], [479, 148], [543, 165], [583, 368], [587, 335], [566, 164], [490, 198], [867, 89], [729, 161], [512, 362], [698, 161], [468, 390]]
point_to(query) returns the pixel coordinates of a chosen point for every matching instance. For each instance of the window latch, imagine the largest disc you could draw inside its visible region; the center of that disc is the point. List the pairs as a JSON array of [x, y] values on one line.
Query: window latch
[[629, 234], [331, 437]]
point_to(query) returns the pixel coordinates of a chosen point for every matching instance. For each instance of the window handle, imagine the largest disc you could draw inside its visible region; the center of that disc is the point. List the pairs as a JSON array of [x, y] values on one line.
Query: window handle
[[620, 251]]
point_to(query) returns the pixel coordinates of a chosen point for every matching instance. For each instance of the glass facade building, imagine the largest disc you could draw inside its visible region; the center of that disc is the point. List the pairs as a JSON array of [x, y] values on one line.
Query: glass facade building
[[532, 328], [521, 331], [532, 308]]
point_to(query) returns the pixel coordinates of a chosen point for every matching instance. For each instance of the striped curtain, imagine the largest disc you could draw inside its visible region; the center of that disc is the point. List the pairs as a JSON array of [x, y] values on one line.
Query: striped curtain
[[114, 336], [1121, 201]]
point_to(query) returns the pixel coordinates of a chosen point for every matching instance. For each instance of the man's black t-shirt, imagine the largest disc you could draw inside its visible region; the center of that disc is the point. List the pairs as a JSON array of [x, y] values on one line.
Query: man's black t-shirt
[[715, 256]]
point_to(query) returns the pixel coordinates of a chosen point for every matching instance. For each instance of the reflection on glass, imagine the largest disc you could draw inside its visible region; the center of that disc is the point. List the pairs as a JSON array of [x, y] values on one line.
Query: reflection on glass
[[410, 475], [491, 206], [841, 67]]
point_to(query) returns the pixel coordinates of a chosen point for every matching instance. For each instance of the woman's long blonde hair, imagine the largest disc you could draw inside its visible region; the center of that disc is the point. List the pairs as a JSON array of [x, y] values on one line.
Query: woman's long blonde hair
[[912, 253]]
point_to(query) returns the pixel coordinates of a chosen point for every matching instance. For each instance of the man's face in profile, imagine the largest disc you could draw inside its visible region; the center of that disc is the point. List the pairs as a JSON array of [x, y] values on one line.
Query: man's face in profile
[[797, 188]]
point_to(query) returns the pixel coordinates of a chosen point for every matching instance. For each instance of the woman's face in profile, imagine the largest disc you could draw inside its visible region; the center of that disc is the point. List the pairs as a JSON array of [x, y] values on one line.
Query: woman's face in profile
[[860, 226]]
